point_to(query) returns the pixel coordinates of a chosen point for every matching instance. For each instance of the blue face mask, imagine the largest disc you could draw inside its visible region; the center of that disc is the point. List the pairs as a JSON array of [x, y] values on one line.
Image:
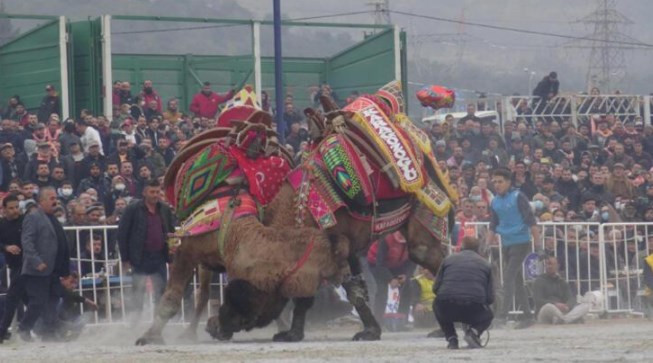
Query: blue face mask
[[537, 204], [605, 216]]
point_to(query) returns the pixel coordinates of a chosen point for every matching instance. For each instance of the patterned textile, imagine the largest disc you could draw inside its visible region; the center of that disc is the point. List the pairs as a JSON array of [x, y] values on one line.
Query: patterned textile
[[392, 94], [422, 141], [208, 216], [264, 174], [390, 141], [438, 227], [434, 199], [199, 176], [346, 168], [321, 199], [243, 106], [391, 221]]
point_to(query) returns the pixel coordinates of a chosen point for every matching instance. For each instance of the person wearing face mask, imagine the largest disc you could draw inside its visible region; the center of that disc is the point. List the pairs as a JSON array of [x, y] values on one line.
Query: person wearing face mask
[[205, 103], [65, 192], [149, 94], [118, 191]]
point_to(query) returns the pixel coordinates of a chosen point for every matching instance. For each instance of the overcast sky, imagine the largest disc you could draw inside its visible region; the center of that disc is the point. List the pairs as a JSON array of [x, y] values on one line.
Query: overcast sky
[[465, 57]]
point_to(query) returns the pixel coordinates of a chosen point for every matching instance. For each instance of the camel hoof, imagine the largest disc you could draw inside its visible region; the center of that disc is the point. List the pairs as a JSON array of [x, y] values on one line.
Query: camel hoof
[[288, 336], [367, 335], [149, 340]]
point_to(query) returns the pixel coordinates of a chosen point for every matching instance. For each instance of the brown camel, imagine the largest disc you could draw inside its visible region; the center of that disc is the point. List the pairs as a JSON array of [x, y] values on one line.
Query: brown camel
[[276, 262]]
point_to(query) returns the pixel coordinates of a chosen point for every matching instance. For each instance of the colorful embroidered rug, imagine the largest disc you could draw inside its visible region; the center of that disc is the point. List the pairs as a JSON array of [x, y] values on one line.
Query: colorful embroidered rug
[[208, 216]]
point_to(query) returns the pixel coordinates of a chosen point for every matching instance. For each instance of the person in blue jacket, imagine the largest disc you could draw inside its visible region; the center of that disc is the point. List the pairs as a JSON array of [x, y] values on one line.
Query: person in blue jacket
[[513, 220]]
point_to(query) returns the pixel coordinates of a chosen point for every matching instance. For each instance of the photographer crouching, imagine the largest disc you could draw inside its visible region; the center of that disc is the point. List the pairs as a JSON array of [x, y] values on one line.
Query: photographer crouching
[[464, 293]]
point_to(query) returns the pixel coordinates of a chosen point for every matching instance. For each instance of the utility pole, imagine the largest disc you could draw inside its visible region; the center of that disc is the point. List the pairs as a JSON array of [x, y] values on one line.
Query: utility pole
[[607, 62], [381, 12]]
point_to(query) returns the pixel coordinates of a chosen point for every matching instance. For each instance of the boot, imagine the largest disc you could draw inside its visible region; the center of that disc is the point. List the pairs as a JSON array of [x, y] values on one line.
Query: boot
[[472, 338]]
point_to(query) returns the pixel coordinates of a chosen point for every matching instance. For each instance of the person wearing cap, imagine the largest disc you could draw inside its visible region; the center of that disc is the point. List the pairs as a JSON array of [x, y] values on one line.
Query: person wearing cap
[[94, 155], [11, 165], [43, 155], [88, 135], [512, 218], [205, 103], [127, 130], [588, 211], [50, 104], [464, 292]]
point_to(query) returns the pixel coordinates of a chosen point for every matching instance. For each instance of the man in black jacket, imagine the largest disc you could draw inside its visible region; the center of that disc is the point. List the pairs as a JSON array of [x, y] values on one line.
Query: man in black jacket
[[463, 289], [142, 235], [10, 231], [49, 105]]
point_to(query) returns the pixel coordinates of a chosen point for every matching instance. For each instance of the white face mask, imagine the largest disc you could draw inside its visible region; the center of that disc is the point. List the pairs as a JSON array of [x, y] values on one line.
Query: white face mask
[[120, 187], [62, 219], [102, 219], [66, 192]]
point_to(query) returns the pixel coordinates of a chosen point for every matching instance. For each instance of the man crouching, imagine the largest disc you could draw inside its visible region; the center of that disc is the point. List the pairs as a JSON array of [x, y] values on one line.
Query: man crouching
[[464, 293]]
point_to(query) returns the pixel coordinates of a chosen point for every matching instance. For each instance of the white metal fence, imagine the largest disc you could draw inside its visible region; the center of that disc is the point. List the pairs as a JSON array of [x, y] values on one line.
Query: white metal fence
[[104, 280], [605, 257]]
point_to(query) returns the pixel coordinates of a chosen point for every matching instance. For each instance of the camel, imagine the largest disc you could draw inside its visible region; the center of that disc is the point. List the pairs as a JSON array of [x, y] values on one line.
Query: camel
[[277, 262], [351, 235], [282, 213]]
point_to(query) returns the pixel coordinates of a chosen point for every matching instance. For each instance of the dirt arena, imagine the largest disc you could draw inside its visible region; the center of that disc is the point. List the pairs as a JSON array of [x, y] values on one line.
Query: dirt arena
[[595, 341]]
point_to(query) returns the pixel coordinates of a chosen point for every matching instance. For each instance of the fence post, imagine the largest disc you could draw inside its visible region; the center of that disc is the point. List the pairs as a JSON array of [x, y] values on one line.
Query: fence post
[[603, 282], [574, 111]]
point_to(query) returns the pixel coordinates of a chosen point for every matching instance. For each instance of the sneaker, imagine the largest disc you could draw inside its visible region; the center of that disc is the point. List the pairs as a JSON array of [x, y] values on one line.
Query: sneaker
[[524, 324], [453, 343], [472, 338]]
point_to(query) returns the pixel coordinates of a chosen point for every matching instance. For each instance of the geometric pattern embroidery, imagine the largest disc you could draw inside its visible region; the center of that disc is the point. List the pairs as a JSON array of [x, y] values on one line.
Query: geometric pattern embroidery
[[345, 169], [199, 176]]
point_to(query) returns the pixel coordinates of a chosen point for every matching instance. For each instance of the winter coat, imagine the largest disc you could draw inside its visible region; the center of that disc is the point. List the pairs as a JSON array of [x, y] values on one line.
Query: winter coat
[[465, 277]]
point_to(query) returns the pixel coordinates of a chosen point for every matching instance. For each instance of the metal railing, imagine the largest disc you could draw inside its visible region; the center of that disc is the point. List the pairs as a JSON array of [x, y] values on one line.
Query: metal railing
[[608, 258]]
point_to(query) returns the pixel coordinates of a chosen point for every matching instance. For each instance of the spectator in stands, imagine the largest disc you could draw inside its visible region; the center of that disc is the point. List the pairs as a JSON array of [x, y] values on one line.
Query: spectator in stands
[[88, 135], [205, 103], [554, 302], [92, 255], [548, 87], [291, 116], [149, 94], [42, 178], [21, 115], [423, 298], [151, 111], [10, 110], [11, 165], [50, 104], [125, 94], [152, 158], [142, 234], [513, 219], [164, 149], [95, 180], [172, 113]]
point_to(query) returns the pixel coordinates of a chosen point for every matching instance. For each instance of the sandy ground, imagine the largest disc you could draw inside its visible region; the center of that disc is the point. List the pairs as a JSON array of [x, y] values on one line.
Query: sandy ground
[[595, 341]]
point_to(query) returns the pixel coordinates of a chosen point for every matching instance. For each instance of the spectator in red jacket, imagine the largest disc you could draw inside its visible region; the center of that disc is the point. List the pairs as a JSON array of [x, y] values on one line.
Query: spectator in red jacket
[[205, 103], [148, 94]]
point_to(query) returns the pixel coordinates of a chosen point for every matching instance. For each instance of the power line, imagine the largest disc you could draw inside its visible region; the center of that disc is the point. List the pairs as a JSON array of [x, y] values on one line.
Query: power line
[[235, 25], [522, 31]]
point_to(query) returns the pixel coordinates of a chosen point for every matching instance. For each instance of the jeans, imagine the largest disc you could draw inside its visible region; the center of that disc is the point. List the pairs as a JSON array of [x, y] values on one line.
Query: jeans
[[448, 312], [513, 280]]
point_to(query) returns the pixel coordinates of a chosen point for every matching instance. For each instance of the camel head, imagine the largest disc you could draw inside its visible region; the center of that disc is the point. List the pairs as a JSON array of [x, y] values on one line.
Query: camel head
[[424, 247]]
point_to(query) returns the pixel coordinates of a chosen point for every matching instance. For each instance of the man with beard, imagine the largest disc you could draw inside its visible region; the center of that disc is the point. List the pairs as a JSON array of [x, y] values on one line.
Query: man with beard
[[94, 181], [205, 103], [597, 187], [49, 105], [620, 156], [148, 94], [10, 235], [172, 113], [125, 94], [9, 135]]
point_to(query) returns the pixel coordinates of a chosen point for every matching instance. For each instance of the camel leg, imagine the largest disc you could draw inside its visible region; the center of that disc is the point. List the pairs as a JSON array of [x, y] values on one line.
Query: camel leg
[[202, 300], [180, 275], [357, 295], [296, 332]]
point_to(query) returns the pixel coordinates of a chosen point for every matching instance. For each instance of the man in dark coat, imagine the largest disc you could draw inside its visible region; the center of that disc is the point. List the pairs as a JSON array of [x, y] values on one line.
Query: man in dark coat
[[11, 227], [547, 88], [142, 235], [464, 293], [49, 105], [45, 259]]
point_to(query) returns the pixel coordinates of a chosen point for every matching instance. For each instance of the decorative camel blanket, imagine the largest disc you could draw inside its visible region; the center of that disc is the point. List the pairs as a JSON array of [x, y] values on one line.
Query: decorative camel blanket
[[208, 217]]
